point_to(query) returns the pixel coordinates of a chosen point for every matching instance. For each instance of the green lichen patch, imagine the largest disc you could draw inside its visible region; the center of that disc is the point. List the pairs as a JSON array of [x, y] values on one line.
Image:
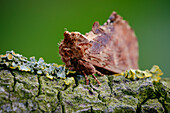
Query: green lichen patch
[[46, 103], [28, 82], [135, 93], [7, 80], [81, 99], [145, 91], [32, 106], [47, 99], [16, 61], [104, 90], [6, 86], [120, 109], [129, 100], [163, 93], [152, 105]]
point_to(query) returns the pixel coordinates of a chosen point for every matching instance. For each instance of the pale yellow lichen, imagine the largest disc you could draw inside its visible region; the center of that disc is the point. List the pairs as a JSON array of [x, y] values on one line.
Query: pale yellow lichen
[[49, 76], [69, 80], [154, 73], [10, 57]]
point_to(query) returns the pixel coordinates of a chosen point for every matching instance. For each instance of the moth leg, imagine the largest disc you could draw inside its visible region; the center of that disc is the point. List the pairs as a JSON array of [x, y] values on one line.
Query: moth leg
[[99, 73], [87, 81], [96, 79]]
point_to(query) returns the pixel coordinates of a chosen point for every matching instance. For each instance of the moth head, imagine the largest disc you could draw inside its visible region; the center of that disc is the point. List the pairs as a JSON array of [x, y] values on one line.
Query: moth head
[[74, 38], [73, 46]]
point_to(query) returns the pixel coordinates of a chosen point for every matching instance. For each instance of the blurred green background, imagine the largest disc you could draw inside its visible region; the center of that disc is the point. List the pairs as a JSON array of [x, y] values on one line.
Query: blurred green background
[[35, 27]]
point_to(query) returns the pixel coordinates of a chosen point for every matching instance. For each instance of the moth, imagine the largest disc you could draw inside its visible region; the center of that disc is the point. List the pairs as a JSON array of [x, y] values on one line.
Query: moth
[[107, 49]]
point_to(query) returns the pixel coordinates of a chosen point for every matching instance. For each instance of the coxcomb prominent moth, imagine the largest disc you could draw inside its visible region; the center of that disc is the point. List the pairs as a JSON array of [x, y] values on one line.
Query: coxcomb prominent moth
[[107, 49]]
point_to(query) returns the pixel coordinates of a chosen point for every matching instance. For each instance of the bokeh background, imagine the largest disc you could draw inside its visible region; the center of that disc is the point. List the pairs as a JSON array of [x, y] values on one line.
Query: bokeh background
[[35, 27]]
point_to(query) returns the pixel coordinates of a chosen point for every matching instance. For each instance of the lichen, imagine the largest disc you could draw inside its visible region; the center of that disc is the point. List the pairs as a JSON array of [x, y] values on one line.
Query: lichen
[[16, 61], [132, 74]]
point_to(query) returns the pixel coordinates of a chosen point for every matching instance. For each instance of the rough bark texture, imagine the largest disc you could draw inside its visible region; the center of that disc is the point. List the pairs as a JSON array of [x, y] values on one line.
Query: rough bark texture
[[26, 92]]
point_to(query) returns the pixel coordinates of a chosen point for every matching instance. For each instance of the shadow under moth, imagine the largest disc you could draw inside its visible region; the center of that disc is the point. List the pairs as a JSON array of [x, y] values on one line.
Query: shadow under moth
[[107, 49]]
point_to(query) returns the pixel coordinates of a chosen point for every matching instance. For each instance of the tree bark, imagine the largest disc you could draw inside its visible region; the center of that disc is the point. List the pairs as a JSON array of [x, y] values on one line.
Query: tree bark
[[26, 92]]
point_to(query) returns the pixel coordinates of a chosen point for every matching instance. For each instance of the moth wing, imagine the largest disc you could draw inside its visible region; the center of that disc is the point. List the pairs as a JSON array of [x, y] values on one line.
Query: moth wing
[[114, 46]]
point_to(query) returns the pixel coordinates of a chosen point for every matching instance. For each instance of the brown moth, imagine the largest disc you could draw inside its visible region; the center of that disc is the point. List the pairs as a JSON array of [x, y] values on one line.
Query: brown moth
[[107, 49]]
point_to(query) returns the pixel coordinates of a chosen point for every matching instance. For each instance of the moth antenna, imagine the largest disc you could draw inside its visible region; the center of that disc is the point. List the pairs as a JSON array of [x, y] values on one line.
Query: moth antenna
[[58, 43], [65, 29], [96, 79]]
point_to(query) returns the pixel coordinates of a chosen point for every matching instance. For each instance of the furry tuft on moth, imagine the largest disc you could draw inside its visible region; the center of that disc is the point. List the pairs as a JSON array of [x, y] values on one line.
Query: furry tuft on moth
[[108, 49]]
